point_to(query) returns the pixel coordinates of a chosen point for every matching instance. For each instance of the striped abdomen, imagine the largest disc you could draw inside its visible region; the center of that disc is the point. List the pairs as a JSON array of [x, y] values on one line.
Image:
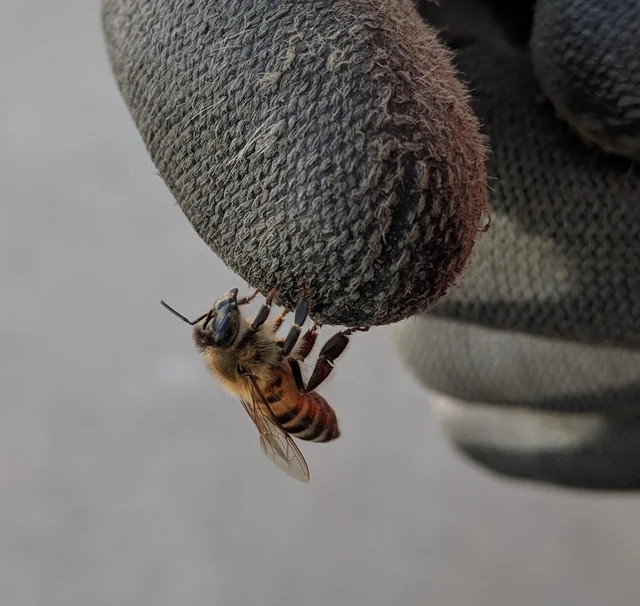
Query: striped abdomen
[[305, 416]]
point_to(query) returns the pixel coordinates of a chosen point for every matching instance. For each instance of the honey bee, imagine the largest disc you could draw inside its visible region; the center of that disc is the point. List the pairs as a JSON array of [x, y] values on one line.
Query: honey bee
[[264, 372]]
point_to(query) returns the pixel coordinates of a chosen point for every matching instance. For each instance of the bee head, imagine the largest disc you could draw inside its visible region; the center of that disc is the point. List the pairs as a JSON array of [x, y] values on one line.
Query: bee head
[[220, 326]]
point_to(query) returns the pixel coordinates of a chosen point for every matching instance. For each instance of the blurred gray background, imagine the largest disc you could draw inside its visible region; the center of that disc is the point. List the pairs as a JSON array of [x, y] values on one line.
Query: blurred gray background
[[128, 477]]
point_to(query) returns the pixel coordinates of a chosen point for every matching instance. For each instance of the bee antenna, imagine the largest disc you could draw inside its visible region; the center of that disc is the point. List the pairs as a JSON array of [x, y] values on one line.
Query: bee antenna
[[179, 315], [208, 316]]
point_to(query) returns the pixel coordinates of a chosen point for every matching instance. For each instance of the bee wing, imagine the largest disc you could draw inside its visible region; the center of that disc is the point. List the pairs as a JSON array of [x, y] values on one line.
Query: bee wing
[[275, 443]]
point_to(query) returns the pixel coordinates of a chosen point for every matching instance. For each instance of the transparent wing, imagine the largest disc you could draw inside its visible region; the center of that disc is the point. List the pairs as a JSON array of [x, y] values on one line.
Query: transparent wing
[[275, 443]]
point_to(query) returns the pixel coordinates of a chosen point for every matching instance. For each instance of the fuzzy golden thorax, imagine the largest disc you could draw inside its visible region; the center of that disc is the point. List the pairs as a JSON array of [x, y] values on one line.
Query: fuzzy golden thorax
[[256, 351]]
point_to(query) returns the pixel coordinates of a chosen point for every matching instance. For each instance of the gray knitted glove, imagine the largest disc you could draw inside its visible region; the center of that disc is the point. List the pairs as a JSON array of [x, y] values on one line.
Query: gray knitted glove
[[309, 141], [534, 362], [330, 142]]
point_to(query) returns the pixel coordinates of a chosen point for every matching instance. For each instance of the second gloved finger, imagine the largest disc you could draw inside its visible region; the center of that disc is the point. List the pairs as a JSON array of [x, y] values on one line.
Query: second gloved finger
[[586, 55]]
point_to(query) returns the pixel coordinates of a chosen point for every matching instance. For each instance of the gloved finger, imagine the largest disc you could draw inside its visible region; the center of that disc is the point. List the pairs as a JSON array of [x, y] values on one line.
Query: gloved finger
[[528, 406], [586, 55], [516, 359], [561, 257], [309, 142]]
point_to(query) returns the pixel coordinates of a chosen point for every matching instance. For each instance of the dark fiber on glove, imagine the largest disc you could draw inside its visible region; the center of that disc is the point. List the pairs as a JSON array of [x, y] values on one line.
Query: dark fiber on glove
[[326, 142]]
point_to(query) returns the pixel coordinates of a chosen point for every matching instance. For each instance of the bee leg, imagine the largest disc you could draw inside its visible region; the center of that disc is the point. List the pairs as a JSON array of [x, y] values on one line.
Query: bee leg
[[306, 344], [330, 351], [297, 375], [277, 323], [302, 310], [248, 299], [265, 310]]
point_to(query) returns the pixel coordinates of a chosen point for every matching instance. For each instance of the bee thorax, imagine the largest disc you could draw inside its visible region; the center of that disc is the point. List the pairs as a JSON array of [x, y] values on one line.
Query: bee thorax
[[258, 355]]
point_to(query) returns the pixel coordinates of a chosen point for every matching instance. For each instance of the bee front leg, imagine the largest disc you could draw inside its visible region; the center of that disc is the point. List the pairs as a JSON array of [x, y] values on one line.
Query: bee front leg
[[265, 310], [249, 298]]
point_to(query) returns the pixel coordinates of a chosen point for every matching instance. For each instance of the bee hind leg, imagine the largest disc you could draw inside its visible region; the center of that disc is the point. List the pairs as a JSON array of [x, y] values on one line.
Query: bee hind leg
[[307, 341], [329, 353]]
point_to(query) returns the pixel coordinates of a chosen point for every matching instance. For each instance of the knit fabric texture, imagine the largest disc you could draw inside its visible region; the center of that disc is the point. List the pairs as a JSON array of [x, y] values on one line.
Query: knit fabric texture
[[586, 55], [326, 143], [479, 364], [529, 406], [561, 257], [532, 365]]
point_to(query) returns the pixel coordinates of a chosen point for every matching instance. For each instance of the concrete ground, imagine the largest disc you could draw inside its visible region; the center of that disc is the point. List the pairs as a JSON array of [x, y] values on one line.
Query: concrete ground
[[128, 477]]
